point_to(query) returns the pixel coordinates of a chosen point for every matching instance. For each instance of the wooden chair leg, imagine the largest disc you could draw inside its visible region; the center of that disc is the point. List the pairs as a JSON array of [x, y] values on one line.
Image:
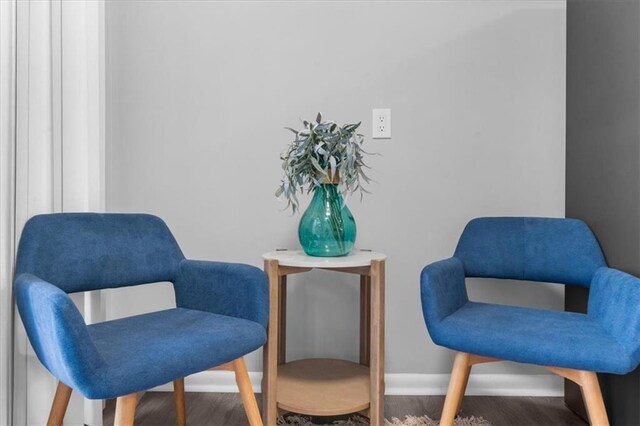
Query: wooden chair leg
[[59, 405], [457, 385], [593, 399], [181, 414], [246, 391], [591, 394], [464, 388], [125, 410]]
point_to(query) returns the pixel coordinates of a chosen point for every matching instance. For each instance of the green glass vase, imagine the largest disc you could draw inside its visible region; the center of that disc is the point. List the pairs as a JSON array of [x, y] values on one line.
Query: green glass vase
[[327, 227]]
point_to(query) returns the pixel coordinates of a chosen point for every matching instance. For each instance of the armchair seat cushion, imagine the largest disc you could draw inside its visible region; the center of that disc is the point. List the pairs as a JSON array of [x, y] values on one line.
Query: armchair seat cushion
[[534, 336], [145, 351]]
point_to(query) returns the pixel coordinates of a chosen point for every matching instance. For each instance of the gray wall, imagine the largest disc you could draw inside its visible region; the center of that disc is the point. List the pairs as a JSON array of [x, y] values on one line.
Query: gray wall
[[603, 125], [603, 157], [198, 93]]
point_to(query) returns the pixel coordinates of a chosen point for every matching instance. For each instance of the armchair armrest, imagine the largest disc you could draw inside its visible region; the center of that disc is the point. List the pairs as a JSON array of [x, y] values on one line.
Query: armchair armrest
[[230, 289], [614, 302], [57, 332], [442, 290]]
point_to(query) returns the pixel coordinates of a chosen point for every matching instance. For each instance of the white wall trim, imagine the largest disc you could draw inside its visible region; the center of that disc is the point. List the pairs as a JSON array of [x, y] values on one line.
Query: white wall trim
[[7, 200], [479, 384], [402, 384], [59, 158]]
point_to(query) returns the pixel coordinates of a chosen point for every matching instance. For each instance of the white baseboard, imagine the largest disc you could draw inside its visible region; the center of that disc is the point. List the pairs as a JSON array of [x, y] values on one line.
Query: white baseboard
[[402, 384], [479, 384]]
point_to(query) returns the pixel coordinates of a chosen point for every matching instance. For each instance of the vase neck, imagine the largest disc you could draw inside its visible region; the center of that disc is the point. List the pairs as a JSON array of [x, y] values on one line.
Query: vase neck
[[331, 188], [328, 190]]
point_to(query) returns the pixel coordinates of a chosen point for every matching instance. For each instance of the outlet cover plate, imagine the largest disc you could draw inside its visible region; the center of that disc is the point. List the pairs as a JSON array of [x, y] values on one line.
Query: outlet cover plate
[[381, 123]]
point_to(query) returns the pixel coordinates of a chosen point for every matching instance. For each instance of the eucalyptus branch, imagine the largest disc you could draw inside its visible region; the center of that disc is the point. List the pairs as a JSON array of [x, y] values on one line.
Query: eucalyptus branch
[[322, 152]]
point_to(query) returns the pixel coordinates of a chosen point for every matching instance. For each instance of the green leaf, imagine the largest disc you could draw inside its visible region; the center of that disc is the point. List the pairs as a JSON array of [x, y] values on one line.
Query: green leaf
[[332, 163], [317, 165], [321, 149]]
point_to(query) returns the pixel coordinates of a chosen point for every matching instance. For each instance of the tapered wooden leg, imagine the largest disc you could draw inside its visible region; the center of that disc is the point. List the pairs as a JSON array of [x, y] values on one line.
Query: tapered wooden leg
[[455, 392], [248, 397], [591, 393], [181, 413], [593, 399], [125, 410], [376, 408], [464, 387], [587, 380], [270, 350], [59, 405]]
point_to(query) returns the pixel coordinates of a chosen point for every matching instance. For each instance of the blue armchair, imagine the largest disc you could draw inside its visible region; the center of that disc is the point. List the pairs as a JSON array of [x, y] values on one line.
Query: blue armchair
[[221, 313], [572, 345]]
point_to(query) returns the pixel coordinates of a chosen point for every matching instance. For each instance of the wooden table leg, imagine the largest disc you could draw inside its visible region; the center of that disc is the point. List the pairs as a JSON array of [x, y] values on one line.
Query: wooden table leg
[[365, 313], [282, 321], [377, 343], [270, 350]]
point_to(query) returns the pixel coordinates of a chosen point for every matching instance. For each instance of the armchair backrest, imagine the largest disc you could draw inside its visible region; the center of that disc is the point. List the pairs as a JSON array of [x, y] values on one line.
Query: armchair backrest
[[91, 251], [563, 251]]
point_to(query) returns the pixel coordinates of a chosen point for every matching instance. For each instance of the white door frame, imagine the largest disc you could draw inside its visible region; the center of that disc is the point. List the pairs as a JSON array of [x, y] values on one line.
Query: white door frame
[[59, 158], [7, 197]]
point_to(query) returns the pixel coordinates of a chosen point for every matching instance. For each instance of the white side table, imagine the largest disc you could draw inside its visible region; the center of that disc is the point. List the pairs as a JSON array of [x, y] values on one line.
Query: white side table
[[325, 387]]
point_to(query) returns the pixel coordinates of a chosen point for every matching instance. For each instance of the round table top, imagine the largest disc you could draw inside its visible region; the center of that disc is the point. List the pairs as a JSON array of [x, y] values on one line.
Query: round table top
[[297, 258]]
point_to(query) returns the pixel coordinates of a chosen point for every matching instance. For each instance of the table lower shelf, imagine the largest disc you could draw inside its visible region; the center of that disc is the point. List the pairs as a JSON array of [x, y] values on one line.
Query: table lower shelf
[[323, 387]]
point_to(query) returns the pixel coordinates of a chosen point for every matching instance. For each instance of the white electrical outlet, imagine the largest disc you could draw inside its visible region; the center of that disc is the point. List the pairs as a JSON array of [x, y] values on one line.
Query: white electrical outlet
[[381, 120]]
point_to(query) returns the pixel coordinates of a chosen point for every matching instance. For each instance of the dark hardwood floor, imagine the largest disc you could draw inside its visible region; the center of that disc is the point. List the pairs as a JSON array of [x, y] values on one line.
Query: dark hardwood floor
[[218, 409]]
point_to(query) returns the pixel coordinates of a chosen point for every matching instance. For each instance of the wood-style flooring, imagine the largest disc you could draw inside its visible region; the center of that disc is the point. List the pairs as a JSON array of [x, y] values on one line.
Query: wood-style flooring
[[225, 409]]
